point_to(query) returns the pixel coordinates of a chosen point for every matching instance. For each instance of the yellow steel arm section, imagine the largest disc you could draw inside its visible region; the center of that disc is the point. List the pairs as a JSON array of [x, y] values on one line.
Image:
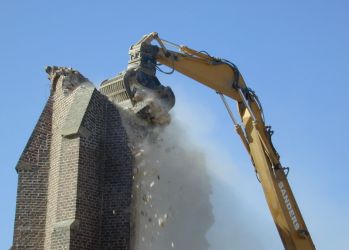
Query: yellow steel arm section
[[219, 76]]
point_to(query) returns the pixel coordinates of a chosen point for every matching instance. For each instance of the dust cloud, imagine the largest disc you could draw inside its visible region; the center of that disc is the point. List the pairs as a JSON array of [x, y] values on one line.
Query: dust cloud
[[172, 208], [177, 180]]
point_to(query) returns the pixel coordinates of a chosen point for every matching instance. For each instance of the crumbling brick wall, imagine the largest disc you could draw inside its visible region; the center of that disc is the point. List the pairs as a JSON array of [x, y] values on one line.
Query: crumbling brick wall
[[75, 174]]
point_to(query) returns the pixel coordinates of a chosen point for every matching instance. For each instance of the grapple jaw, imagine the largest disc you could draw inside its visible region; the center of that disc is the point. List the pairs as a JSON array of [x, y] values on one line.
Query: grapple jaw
[[138, 89]]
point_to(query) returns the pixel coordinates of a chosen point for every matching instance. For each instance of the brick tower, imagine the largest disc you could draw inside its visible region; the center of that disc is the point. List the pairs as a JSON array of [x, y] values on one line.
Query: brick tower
[[75, 173]]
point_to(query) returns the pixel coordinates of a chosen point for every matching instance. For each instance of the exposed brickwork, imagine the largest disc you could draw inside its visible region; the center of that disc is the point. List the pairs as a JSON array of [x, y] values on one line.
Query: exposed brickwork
[[33, 168], [61, 106], [117, 187], [75, 176], [89, 181]]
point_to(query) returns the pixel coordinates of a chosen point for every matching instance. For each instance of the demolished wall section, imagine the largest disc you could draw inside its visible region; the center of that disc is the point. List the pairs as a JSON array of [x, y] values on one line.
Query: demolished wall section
[[81, 188], [75, 175]]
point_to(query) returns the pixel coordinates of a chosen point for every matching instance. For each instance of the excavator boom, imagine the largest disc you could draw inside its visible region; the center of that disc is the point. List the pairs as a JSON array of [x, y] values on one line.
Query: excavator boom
[[225, 78]]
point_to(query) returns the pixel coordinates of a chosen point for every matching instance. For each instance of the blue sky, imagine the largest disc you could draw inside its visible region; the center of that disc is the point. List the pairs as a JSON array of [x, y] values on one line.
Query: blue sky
[[294, 54]]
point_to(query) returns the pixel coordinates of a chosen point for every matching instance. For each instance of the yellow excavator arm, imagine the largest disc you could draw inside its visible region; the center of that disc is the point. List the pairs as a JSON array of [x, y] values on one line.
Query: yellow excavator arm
[[225, 78]]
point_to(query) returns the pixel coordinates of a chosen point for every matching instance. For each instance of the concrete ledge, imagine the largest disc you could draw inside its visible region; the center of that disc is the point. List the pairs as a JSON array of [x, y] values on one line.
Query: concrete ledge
[[71, 224], [72, 125]]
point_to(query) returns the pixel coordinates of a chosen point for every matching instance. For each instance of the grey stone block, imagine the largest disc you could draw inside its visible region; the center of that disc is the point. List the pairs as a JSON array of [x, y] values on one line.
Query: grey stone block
[[77, 111]]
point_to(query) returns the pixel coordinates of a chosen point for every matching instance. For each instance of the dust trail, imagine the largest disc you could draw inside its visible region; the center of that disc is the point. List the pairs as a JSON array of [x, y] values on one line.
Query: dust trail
[[172, 208]]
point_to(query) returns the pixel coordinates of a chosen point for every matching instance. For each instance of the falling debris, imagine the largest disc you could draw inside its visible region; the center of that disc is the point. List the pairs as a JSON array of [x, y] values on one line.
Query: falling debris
[[147, 198], [162, 220], [139, 153], [170, 185]]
